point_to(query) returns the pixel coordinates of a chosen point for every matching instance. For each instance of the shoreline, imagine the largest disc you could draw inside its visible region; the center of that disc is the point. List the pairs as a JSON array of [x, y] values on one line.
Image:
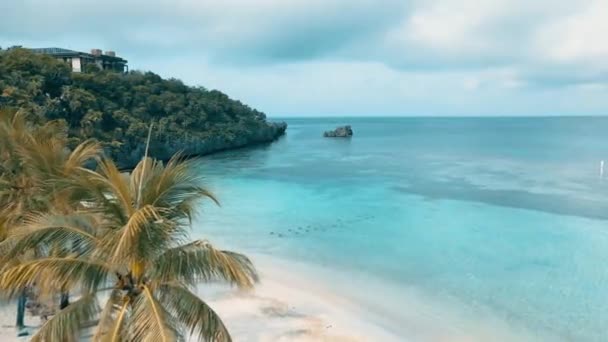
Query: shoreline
[[300, 302], [291, 306], [284, 306], [272, 132], [297, 301]]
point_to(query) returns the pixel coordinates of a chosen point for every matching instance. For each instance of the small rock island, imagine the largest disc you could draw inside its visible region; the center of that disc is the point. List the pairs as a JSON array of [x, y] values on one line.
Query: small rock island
[[339, 132]]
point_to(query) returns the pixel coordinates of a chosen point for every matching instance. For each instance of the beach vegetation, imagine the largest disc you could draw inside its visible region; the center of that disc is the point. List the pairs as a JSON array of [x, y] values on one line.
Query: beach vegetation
[[112, 248], [115, 108]]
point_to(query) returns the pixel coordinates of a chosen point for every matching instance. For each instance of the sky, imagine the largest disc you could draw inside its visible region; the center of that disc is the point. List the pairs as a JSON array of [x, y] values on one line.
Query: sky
[[348, 57]]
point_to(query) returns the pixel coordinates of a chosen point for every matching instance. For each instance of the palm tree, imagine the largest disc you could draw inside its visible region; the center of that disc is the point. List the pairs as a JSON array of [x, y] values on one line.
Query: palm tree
[[34, 161], [130, 253]]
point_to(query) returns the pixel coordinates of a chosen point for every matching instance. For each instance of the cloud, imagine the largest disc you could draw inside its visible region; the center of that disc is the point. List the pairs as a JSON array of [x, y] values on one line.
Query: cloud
[[233, 30], [579, 37], [344, 56]]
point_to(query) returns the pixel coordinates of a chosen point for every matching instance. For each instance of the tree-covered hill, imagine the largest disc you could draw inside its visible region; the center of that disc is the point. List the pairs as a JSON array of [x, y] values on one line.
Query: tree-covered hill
[[117, 109]]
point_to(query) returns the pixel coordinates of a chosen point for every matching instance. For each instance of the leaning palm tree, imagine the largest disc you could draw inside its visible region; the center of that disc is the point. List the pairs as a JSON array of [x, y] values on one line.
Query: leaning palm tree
[[34, 160], [34, 164], [131, 259]]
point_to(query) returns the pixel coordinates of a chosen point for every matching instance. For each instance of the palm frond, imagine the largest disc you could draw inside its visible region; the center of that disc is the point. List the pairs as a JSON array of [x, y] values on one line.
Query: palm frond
[[93, 190], [46, 154], [198, 261], [110, 318], [126, 241], [193, 313], [83, 153], [150, 321], [118, 329], [136, 179], [115, 184], [77, 230], [174, 183], [54, 273], [143, 162], [66, 324]]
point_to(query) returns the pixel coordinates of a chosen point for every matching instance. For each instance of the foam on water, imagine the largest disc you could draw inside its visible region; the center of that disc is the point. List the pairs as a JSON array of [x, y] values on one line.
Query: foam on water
[[481, 225]]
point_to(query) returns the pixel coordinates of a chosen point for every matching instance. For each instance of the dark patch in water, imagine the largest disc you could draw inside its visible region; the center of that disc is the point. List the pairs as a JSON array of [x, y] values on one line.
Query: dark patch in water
[[519, 267], [549, 203], [296, 333], [282, 311]]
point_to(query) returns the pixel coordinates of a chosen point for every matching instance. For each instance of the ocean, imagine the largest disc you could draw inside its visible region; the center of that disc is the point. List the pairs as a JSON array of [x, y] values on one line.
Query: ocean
[[496, 224]]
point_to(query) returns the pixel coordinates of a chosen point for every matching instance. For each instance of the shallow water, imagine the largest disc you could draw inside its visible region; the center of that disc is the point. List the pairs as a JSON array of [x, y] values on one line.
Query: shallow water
[[493, 217]]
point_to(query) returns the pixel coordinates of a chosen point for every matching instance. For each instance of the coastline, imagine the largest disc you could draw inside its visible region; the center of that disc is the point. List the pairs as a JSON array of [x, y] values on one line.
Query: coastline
[[284, 306], [297, 301], [300, 302], [290, 305], [126, 158]]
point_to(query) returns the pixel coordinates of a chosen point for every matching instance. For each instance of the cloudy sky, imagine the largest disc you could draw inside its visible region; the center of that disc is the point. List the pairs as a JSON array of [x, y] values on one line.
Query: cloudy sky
[[348, 57]]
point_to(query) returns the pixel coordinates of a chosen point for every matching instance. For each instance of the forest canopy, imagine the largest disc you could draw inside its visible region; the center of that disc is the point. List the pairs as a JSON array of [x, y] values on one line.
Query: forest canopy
[[117, 109]]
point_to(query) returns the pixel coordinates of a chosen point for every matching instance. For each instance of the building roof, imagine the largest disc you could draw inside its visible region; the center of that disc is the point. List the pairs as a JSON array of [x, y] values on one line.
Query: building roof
[[55, 51], [60, 52]]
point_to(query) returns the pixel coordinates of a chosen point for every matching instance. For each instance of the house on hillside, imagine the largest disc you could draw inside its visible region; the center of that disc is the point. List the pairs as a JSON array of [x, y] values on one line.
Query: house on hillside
[[78, 60]]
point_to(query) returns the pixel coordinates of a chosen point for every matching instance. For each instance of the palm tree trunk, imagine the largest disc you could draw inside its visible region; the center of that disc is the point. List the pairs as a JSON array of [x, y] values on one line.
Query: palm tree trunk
[[64, 301], [21, 309]]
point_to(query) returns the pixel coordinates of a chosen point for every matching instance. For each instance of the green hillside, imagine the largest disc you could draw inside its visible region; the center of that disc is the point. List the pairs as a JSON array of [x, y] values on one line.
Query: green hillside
[[117, 109]]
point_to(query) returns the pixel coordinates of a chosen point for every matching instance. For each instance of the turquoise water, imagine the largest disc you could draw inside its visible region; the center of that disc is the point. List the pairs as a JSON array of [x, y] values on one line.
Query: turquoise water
[[505, 216]]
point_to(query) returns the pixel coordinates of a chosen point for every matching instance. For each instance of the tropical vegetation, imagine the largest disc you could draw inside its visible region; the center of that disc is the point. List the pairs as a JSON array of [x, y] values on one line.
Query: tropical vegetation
[[116, 109], [112, 248]]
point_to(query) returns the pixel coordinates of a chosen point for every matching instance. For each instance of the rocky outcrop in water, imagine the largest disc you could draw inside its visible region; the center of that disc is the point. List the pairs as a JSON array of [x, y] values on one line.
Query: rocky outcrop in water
[[340, 132], [130, 155]]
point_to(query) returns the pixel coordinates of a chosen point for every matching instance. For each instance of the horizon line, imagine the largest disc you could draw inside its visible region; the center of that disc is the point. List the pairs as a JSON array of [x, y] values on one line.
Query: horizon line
[[437, 116]]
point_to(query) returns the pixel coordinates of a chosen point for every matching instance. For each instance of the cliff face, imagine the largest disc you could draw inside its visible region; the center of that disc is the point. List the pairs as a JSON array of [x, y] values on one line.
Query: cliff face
[[117, 109], [128, 156]]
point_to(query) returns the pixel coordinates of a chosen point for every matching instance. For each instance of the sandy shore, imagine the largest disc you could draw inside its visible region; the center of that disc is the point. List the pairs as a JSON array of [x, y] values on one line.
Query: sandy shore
[[299, 302], [304, 303], [284, 306], [289, 305]]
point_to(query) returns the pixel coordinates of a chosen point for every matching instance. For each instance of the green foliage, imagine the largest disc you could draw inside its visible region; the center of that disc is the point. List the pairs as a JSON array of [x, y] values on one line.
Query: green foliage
[[68, 229], [112, 107]]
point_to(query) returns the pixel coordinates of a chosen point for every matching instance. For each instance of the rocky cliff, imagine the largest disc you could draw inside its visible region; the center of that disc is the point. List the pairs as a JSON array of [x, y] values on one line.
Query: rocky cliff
[[129, 155]]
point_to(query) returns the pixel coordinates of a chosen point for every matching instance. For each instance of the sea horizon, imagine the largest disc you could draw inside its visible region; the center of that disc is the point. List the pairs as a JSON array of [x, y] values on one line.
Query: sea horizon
[[425, 116]]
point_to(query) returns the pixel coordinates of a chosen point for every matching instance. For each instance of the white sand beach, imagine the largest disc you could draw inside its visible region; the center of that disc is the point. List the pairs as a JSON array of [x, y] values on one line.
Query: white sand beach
[[283, 307], [300, 302], [289, 304]]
